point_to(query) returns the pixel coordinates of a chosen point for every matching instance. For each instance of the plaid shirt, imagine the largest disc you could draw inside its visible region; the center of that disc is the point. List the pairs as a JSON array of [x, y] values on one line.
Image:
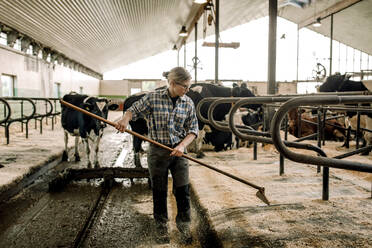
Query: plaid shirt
[[167, 125]]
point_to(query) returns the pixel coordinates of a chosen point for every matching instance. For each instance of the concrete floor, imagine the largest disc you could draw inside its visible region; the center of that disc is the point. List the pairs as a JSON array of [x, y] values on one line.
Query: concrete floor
[[297, 217]]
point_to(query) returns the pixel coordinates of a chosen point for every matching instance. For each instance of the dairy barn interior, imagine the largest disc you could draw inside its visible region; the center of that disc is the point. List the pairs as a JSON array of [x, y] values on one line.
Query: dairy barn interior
[[297, 175]]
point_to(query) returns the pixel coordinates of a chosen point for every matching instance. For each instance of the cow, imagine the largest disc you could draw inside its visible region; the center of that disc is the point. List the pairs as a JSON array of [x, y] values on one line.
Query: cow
[[80, 125], [342, 83], [333, 130], [249, 118], [139, 126], [197, 92]]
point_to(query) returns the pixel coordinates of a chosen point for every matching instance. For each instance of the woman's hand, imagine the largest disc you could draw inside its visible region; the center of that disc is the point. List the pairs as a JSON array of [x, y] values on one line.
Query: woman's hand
[[178, 150], [121, 125]]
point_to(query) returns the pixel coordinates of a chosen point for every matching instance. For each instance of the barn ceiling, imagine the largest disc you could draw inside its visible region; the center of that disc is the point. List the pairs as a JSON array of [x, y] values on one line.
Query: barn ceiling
[[106, 34]]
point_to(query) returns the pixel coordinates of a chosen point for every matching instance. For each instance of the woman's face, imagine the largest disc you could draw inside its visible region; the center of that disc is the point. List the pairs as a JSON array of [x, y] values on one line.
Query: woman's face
[[180, 89]]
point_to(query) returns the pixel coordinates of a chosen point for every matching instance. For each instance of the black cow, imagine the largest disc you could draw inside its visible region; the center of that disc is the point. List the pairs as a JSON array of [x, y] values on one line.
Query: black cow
[[138, 126], [79, 124], [252, 119], [342, 83], [197, 92], [220, 140]]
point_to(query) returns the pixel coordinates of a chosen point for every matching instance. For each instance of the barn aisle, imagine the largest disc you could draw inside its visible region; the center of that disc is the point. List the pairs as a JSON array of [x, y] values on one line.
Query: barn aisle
[[226, 213]]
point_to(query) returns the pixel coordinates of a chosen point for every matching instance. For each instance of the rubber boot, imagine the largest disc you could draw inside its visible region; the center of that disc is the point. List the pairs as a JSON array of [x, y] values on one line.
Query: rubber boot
[[160, 215], [183, 218]]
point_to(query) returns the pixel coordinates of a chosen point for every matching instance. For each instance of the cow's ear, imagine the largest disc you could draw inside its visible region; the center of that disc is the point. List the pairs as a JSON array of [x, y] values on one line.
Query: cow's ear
[[88, 106], [113, 106]]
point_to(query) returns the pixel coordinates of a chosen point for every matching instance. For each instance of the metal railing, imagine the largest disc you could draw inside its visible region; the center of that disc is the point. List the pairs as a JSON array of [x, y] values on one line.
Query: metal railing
[[273, 136], [23, 110]]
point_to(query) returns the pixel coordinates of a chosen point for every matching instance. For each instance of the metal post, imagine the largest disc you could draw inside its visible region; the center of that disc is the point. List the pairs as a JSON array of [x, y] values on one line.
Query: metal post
[[298, 51], [184, 53], [196, 51], [178, 57], [330, 52], [217, 34], [254, 150], [353, 61], [319, 138], [271, 77], [281, 166], [358, 128], [325, 194], [323, 125], [21, 116], [360, 66], [339, 57], [273, 10], [281, 158]]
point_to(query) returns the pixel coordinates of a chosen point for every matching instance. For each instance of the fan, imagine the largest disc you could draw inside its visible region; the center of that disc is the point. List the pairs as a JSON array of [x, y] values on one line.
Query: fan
[[319, 72]]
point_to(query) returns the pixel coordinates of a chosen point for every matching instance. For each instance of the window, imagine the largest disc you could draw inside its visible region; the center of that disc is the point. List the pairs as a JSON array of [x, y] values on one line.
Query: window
[[148, 85], [57, 90], [81, 89], [3, 38], [17, 45], [8, 85], [134, 90]]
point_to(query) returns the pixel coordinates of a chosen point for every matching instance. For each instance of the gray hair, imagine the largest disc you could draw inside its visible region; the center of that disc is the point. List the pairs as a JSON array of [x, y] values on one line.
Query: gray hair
[[177, 74]]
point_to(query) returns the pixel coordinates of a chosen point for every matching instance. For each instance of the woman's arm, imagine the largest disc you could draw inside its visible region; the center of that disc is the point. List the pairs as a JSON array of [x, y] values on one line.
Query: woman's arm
[[122, 124], [178, 150]]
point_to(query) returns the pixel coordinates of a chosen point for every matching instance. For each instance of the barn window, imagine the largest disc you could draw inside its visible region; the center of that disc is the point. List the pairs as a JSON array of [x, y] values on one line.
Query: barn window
[[3, 38], [57, 90], [134, 90], [17, 45], [8, 85]]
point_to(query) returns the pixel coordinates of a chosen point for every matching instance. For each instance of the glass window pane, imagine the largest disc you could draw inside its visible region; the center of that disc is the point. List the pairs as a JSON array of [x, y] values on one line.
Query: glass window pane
[[7, 85]]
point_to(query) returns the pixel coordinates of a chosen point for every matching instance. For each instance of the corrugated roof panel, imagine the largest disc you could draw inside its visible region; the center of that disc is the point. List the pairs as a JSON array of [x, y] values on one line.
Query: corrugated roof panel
[[106, 34]]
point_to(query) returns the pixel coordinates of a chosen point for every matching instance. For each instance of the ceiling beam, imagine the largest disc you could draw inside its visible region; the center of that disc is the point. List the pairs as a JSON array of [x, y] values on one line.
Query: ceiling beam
[[199, 13], [327, 12], [222, 44]]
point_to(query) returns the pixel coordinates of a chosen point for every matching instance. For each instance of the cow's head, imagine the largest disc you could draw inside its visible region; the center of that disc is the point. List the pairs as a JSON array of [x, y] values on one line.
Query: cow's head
[[243, 91], [253, 118], [99, 106]]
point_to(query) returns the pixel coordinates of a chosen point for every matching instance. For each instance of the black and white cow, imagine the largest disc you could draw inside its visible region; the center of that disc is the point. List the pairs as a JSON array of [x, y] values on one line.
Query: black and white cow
[[342, 83], [139, 126], [197, 92], [249, 118], [80, 125]]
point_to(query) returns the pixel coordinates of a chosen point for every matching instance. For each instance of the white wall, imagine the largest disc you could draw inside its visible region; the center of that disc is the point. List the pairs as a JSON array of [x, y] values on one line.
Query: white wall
[[36, 77], [122, 88]]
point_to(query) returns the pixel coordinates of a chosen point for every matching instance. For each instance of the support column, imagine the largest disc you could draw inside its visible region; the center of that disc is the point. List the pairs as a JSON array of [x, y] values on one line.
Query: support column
[[331, 47], [184, 54], [196, 52], [217, 33], [273, 10]]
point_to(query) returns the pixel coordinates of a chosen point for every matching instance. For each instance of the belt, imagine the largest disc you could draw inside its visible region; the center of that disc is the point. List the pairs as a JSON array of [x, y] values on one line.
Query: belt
[[171, 146]]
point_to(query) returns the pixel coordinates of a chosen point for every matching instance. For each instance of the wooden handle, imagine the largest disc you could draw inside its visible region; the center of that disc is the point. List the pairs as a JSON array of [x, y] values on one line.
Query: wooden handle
[[113, 124], [261, 189]]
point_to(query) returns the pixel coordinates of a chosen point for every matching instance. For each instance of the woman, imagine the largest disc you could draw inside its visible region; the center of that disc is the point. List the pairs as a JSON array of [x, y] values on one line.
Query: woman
[[172, 121]]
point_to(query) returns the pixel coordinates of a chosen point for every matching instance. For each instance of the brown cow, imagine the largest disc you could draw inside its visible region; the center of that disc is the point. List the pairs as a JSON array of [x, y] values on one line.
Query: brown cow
[[331, 131]]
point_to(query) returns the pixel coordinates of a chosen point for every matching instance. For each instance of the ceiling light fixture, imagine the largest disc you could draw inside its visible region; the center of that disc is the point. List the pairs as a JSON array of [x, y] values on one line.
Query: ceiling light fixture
[[200, 1], [317, 23], [183, 32]]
